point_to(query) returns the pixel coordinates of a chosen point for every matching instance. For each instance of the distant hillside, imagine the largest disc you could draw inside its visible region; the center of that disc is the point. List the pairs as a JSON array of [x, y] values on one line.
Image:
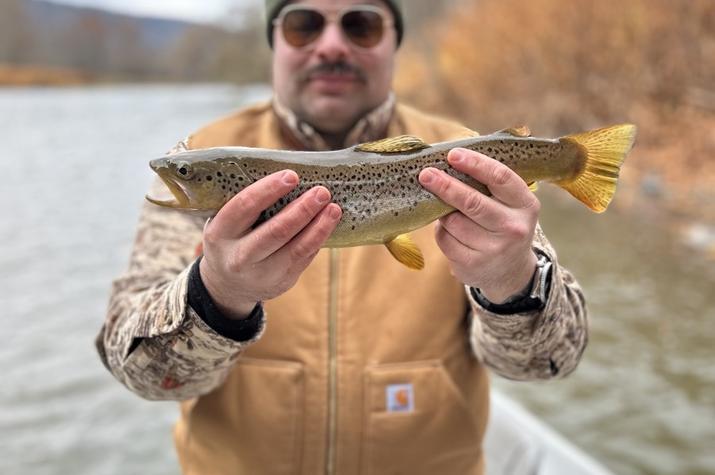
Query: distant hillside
[[153, 33], [110, 46]]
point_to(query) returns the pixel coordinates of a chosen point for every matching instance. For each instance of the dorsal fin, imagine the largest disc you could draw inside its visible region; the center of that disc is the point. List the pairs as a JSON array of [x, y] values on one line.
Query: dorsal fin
[[401, 143], [521, 131]]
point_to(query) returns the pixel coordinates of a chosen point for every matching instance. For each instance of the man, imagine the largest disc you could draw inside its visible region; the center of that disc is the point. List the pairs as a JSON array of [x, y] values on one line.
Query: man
[[295, 359]]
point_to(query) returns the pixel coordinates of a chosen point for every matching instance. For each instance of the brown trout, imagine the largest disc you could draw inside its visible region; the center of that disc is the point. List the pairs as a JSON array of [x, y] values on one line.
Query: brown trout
[[376, 183]]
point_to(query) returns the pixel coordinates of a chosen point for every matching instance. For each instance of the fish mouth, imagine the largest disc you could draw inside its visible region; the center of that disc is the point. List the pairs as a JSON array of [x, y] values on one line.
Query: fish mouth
[[180, 198]]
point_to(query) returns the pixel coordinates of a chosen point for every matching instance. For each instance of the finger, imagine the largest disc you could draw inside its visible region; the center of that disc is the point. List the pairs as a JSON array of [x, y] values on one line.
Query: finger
[[504, 184], [279, 230], [466, 231], [478, 207], [238, 215], [452, 249], [303, 247]]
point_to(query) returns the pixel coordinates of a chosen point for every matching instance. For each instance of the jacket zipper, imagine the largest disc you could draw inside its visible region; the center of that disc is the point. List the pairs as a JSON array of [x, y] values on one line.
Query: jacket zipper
[[332, 361]]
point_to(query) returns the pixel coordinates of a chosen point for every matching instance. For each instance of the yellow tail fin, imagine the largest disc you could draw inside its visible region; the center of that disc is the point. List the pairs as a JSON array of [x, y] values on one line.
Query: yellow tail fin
[[606, 149]]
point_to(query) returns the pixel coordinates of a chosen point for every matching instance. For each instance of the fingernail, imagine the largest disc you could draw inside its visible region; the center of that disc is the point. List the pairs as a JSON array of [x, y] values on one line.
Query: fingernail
[[427, 177], [335, 212], [456, 156], [322, 196], [289, 178]]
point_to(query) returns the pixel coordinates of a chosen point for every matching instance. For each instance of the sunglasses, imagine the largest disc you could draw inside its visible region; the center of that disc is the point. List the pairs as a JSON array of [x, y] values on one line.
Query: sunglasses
[[363, 25]]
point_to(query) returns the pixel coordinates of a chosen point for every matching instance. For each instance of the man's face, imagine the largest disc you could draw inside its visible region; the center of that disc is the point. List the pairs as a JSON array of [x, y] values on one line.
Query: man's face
[[333, 99]]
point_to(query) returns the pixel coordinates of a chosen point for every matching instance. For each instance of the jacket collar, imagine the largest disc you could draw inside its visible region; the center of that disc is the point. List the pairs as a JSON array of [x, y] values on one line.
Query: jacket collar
[[372, 126]]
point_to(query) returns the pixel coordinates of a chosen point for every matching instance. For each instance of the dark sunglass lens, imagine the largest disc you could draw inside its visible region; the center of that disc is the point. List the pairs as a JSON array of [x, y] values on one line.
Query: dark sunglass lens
[[301, 27], [363, 27]]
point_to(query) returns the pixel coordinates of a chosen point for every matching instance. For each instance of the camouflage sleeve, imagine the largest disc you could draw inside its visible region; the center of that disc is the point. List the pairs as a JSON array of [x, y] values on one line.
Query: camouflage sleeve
[[542, 344], [152, 340]]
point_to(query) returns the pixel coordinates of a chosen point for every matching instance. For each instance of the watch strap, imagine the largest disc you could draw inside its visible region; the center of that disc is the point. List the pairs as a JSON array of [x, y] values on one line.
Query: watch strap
[[531, 298]]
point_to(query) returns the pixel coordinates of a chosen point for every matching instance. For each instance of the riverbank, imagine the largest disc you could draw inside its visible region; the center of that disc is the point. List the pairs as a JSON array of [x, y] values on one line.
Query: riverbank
[[35, 75], [670, 176]]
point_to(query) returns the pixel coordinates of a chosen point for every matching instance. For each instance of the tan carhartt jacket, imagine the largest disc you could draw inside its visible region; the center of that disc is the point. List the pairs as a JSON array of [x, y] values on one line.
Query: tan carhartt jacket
[[364, 367]]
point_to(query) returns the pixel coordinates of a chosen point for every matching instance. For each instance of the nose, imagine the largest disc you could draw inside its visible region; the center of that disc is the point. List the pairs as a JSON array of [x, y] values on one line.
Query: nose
[[332, 44]]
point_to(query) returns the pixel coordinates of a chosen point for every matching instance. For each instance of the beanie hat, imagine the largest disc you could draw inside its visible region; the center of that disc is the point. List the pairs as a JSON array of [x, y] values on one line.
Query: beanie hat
[[274, 7]]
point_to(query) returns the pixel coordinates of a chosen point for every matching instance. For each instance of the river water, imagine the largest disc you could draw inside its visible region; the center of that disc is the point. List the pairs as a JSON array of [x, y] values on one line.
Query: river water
[[74, 171]]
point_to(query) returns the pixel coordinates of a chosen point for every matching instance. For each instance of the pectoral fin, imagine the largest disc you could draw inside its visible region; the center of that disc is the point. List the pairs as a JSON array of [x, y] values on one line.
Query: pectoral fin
[[402, 143], [533, 186], [406, 251]]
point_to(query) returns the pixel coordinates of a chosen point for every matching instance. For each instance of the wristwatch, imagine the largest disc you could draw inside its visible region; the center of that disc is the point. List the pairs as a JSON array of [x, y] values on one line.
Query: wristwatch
[[533, 297]]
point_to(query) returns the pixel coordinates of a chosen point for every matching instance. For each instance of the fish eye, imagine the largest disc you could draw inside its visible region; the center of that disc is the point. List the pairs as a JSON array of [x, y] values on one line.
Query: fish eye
[[184, 170]]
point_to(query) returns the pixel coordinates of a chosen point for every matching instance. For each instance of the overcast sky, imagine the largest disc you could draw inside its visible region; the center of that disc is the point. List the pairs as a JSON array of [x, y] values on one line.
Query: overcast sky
[[190, 10]]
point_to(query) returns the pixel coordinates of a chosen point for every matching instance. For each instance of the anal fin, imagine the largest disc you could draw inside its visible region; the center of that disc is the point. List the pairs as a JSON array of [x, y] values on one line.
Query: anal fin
[[406, 251]]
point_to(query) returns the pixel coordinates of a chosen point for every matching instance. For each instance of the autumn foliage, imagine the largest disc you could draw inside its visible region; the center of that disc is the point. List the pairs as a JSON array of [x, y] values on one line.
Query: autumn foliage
[[14, 75], [562, 67]]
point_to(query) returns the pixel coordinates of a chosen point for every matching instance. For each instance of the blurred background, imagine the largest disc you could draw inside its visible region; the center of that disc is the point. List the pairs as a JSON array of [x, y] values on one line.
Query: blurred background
[[91, 90]]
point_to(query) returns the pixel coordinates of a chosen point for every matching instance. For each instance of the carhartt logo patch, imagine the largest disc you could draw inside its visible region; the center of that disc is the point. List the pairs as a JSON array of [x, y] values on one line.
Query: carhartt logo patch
[[400, 398]]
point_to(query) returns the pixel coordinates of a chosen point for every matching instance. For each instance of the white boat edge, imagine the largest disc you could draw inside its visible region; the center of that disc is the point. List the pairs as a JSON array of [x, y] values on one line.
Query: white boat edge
[[518, 443]]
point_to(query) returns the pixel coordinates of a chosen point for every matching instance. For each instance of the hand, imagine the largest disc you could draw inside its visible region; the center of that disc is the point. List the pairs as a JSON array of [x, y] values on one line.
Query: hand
[[488, 239], [242, 266]]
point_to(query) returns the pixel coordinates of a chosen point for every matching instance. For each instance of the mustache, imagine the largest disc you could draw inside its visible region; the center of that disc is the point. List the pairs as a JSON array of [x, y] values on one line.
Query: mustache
[[338, 67]]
